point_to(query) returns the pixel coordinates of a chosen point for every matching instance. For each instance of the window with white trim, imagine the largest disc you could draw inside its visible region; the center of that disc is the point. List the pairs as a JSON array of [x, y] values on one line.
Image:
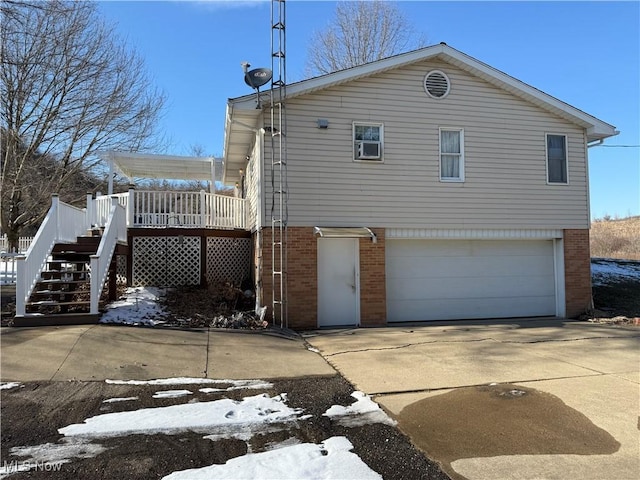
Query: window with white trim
[[452, 154], [367, 141], [557, 158]]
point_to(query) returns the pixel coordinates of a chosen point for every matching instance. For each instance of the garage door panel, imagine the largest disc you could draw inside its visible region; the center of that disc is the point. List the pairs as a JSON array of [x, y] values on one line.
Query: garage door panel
[[441, 309], [469, 248], [450, 288], [449, 279], [455, 267]]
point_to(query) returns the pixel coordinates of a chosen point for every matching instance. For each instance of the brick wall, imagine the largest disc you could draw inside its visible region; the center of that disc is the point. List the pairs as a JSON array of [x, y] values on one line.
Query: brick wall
[[373, 293], [577, 272], [302, 281], [302, 252]]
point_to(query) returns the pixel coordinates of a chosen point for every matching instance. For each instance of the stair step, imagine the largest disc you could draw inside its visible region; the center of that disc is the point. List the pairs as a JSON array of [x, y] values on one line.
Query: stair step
[[68, 272], [60, 281], [39, 319], [54, 303], [59, 292]]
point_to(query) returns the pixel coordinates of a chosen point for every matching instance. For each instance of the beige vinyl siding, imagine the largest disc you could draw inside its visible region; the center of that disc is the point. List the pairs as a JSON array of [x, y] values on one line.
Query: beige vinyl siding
[[505, 158], [252, 186]]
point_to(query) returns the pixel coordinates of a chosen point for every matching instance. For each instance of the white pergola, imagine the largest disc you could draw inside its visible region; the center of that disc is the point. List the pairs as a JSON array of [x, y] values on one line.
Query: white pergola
[[169, 167]]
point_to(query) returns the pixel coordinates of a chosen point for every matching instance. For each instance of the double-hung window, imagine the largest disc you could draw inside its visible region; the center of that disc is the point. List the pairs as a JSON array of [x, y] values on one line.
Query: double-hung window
[[557, 158], [367, 141], [452, 155]]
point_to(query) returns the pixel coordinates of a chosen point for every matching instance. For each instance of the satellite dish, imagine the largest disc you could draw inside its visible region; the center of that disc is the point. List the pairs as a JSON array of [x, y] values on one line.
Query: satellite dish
[[257, 77]]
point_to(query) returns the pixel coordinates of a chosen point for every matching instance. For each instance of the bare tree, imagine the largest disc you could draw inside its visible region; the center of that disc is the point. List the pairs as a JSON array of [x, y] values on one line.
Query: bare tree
[[361, 32], [69, 87]]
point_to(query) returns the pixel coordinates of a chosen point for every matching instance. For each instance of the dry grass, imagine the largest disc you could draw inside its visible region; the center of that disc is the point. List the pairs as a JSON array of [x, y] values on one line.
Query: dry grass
[[612, 238]]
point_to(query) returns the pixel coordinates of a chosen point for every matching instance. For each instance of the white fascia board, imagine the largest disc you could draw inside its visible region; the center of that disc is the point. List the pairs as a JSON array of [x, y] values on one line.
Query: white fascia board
[[237, 143], [596, 129], [342, 76]]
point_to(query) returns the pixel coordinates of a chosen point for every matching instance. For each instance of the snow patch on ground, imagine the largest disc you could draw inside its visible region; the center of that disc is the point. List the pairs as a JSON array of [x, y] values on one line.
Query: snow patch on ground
[[235, 384], [140, 306], [604, 271], [172, 393], [239, 385], [332, 459], [245, 432], [224, 418], [364, 411], [199, 417], [9, 385], [58, 452], [120, 399]]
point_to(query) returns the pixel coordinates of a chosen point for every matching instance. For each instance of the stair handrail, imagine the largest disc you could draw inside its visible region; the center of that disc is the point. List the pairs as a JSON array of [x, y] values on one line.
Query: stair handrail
[[115, 231], [62, 223]]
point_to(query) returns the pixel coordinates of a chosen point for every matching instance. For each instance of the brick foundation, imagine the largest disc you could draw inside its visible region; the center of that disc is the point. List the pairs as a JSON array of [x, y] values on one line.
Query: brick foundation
[[302, 278], [302, 284], [373, 291], [577, 272]]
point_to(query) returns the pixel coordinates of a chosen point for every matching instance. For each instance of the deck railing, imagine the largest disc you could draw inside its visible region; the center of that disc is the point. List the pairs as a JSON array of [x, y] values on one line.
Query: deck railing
[[115, 231], [63, 223], [23, 244], [150, 208]]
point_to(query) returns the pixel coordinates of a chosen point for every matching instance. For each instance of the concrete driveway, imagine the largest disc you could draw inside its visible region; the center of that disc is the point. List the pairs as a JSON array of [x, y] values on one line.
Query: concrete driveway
[[504, 399], [99, 352], [564, 401]]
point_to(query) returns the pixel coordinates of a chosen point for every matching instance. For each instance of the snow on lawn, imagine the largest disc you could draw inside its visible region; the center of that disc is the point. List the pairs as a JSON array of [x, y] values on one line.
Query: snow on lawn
[[332, 459], [362, 412], [604, 271], [201, 417], [9, 385], [139, 307]]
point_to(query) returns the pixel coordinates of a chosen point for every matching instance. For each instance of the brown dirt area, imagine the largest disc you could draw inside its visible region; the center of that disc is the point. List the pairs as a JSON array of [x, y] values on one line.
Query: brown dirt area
[[32, 415]]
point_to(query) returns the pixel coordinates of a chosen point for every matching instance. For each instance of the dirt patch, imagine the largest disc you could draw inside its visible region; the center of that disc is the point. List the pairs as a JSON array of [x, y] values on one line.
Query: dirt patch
[[222, 305], [33, 413], [496, 420], [621, 298]]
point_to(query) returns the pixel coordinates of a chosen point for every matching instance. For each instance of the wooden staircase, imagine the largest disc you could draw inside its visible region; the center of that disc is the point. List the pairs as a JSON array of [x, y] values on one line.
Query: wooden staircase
[[62, 294]]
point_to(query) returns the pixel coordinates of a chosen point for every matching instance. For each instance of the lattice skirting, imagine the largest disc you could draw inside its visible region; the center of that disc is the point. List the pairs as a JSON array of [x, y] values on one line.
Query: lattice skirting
[[166, 261], [121, 269], [175, 261], [228, 259]]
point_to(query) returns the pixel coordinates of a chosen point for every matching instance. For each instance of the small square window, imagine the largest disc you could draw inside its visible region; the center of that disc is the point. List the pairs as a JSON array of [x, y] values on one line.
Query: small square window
[[451, 155], [367, 141], [557, 158]]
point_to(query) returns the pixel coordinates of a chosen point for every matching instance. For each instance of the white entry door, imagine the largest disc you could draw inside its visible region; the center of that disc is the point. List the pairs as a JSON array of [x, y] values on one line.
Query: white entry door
[[338, 282]]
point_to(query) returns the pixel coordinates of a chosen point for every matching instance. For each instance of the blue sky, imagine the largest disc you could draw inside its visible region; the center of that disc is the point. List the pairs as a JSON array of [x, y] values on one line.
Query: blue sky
[[584, 53]]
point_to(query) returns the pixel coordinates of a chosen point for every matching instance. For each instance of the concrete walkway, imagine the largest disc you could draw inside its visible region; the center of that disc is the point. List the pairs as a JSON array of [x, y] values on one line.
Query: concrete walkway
[[98, 352], [594, 370]]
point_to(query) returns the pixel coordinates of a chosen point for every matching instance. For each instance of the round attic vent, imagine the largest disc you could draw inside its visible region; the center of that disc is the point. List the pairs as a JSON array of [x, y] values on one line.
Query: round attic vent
[[436, 84]]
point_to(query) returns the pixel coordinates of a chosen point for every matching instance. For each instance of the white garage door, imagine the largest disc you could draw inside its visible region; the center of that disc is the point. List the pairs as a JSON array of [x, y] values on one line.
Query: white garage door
[[465, 279]]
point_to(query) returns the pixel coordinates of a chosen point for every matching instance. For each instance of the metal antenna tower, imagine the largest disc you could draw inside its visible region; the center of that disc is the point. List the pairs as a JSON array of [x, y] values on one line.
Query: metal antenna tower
[[279, 195]]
